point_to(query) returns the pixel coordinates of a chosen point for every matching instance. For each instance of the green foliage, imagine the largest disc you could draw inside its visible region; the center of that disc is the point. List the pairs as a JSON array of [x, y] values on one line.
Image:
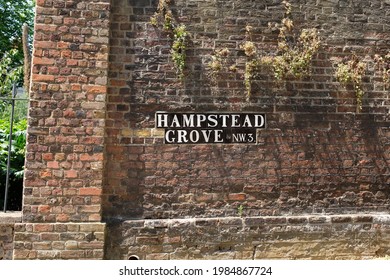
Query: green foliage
[[219, 62], [178, 50], [251, 68], [384, 66], [13, 14], [17, 148], [352, 72], [20, 111], [164, 19], [240, 210], [9, 74], [253, 63], [293, 58]]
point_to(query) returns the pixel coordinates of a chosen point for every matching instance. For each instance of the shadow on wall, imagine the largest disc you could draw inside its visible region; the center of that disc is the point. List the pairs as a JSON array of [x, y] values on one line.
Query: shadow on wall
[[290, 171], [315, 155]]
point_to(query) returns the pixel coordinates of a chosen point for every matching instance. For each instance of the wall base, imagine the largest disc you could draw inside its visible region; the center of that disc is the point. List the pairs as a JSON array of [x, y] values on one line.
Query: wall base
[[7, 224], [273, 237], [59, 241]]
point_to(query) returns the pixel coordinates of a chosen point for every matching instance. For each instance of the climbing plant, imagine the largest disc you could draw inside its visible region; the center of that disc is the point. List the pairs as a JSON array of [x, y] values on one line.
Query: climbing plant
[[352, 71], [383, 64], [219, 61], [163, 18], [295, 52], [254, 60]]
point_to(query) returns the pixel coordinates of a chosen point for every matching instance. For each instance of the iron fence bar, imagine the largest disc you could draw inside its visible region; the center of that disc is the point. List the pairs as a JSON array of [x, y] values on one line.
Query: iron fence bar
[[2, 98], [9, 147]]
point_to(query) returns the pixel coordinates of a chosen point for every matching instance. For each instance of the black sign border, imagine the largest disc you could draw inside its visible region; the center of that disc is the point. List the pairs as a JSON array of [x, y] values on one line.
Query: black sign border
[[211, 112]]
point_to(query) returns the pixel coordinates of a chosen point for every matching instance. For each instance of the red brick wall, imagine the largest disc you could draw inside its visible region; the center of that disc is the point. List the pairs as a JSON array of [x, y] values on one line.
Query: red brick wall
[[101, 71], [316, 154], [64, 170], [65, 149]]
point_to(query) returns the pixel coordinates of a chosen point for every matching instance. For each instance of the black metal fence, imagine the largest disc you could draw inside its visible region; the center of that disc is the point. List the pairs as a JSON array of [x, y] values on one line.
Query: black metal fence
[[13, 123]]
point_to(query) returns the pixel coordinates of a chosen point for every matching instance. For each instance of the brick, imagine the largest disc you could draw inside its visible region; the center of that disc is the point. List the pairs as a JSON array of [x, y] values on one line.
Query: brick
[[255, 221], [47, 156], [49, 236], [297, 220], [91, 245], [42, 246], [24, 255], [148, 240], [44, 208], [71, 174], [341, 219], [363, 219], [90, 191], [26, 237], [89, 209], [71, 245], [93, 157], [63, 218], [72, 254], [92, 227], [72, 227], [44, 61], [97, 217], [96, 89], [43, 228], [58, 245], [43, 78], [158, 256], [237, 196], [53, 164]]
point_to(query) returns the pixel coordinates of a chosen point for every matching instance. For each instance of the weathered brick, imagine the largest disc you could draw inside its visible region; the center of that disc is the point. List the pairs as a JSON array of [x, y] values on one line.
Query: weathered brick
[[91, 245], [24, 255], [341, 219], [43, 78], [42, 245], [43, 227], [90, 191], [148, 240], [92, 227], [297, 220], [237, 196], [44, 61]]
